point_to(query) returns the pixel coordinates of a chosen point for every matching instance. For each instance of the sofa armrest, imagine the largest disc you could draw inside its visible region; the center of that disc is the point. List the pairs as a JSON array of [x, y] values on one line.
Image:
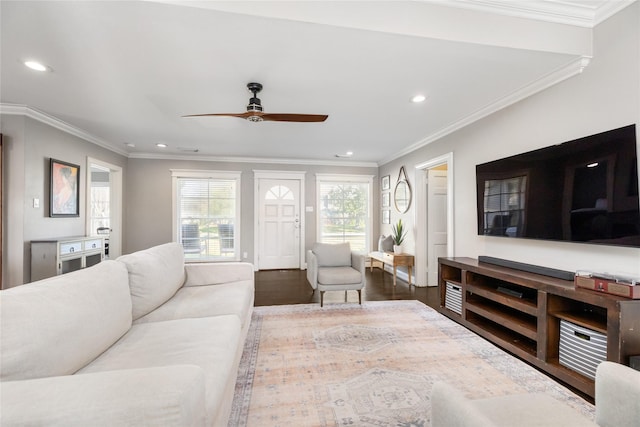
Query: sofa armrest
[[312, 269], [162, 396], [617, 395], [357, 262], [210, 273]]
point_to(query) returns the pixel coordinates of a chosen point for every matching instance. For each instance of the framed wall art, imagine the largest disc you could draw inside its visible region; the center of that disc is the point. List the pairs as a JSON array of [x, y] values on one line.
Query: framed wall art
[[64, 194], [386, 200], [385, 183], [386, 216]]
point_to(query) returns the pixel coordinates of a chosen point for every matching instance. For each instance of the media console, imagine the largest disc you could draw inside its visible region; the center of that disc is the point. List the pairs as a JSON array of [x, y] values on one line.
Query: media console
[[522, 312]]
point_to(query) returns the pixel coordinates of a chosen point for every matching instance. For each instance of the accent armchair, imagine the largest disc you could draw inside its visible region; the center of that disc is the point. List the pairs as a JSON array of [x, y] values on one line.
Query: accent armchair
[[617, 405], [333, 267]]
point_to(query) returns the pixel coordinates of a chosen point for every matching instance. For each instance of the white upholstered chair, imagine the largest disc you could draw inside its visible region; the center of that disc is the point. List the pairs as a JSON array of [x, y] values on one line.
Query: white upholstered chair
[[617, 405], [333, 267]]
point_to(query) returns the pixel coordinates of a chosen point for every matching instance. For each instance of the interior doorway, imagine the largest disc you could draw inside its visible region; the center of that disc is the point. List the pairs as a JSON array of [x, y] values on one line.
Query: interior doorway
[[104, 205], [434, 217]]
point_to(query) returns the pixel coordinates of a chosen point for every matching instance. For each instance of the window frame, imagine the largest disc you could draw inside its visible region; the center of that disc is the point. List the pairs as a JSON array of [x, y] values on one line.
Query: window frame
[[346, 179], [176, 175]]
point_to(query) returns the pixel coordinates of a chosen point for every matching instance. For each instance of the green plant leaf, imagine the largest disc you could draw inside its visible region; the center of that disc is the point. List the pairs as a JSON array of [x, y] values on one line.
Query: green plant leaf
[[398, 233]]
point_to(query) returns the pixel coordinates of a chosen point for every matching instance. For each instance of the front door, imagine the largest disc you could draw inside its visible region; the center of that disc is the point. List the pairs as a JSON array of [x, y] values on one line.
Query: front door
[[279, 224]]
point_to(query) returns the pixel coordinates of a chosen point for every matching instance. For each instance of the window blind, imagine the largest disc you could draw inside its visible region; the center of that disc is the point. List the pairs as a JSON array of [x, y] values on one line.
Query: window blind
[[207, 217]]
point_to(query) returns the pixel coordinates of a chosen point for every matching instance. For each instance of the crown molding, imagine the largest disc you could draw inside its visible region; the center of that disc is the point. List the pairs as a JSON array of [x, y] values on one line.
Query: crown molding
[[23, 110], [561, 12], [610, 8], [230, 159], [573, 68], [32, 113]]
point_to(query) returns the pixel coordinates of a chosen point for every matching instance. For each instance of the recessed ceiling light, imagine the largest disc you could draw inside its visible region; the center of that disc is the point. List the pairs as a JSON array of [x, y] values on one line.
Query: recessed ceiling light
[[592, 165], [130, 145], [161, 145], [347, 154], [418, 98], [35, 65]]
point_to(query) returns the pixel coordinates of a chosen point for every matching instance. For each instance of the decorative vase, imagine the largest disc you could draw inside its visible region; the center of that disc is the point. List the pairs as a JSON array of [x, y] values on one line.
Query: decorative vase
[[397, 249]]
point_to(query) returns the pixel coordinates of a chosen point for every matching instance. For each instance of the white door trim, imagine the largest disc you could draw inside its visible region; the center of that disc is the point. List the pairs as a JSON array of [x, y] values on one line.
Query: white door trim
[[421, 213], [272, 174], [115, 172]]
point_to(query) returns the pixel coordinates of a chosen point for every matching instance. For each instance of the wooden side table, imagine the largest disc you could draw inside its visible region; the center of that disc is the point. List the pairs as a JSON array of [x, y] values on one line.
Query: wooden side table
[[394, 260]]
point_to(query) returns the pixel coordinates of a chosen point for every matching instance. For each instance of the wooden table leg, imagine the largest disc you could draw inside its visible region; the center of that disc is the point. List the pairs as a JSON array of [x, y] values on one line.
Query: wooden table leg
[[394, 275], [409, 270]]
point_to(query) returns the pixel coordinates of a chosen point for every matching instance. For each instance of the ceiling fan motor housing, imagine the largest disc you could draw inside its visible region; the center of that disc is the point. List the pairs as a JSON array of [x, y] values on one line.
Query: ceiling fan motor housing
[[254, 107], [254, 104]]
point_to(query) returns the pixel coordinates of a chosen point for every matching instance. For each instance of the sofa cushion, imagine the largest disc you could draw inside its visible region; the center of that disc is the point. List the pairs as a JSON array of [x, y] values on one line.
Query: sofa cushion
[[201, 301], [338, 275], [450, 408], [332, 255], [155, 274], [168, 396], [56, 326], [207, 273], [211, 343]]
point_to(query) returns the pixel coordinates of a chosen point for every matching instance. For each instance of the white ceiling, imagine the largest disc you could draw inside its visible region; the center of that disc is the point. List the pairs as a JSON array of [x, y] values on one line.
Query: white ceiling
[[125, 72]]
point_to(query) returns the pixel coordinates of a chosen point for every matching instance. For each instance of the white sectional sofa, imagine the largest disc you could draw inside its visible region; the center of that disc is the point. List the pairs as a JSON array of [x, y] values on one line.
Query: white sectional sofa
[[139, 341], [617, 405]]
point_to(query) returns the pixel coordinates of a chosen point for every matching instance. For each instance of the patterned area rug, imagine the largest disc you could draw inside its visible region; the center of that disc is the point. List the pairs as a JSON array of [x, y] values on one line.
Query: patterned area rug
[[370, 365]]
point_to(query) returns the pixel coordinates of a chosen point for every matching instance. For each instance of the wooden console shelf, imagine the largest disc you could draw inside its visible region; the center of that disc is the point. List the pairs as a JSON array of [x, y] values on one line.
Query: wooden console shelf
[[522, 312]]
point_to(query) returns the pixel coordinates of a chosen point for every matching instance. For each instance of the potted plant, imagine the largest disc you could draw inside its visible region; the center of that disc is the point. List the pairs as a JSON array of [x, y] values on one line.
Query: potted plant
[[398, 233]]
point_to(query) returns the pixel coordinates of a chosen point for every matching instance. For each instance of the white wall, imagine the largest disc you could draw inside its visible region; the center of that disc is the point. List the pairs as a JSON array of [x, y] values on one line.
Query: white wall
[[605, 96]]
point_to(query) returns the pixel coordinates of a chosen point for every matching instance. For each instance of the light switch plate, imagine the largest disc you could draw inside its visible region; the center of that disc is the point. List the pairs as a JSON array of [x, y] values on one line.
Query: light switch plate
[[36, 202]]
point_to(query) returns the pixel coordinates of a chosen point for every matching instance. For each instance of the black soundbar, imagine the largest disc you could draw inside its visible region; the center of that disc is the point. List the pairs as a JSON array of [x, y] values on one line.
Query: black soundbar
[[529, 268]]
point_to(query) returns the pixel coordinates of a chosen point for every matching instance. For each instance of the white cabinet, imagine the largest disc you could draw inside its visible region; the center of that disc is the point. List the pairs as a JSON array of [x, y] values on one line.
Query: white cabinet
[[51, 257]]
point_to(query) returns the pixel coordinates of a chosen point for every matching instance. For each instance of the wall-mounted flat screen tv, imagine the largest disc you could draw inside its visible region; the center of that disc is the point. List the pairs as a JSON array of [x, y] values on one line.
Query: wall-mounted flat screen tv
[[584, 190]]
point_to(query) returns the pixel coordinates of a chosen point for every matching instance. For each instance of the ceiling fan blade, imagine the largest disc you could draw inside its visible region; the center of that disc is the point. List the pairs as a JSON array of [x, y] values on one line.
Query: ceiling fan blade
[[240, 115], [255, 112], [276, 117]]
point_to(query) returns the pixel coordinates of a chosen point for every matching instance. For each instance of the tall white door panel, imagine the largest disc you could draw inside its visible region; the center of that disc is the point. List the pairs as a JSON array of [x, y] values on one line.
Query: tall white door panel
[[436, 221], [279, 224]]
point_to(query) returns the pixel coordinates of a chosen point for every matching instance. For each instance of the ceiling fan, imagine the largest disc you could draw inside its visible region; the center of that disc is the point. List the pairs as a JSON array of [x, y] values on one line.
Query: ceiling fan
[[255, 114]]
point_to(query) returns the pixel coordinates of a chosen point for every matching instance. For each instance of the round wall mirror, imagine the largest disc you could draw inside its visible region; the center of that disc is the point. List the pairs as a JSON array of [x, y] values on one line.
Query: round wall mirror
[[402, 192]]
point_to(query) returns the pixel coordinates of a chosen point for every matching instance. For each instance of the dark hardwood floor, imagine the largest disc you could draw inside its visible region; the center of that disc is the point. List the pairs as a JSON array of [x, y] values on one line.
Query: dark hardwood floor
[[277, 287]]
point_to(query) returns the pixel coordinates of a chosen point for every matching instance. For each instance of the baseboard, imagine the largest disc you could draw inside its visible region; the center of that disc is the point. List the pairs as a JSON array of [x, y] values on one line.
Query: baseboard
[[529, 268]]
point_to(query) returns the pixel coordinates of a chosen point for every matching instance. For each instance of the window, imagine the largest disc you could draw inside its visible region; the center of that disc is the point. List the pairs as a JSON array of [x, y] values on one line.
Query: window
[[207, 214], [279, 192], [344, 206], [504, 203]]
